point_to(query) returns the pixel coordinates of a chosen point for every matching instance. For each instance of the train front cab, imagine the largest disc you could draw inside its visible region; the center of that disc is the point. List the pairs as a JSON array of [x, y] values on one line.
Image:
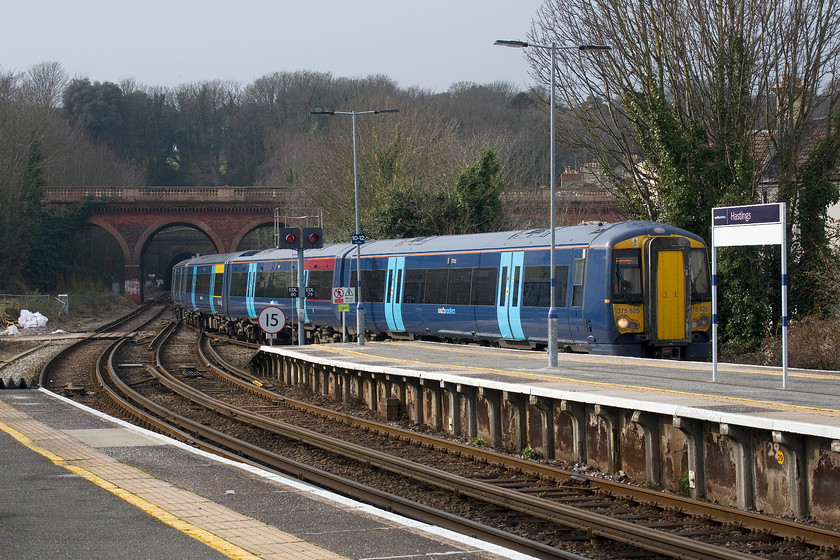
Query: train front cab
[[660, 296]]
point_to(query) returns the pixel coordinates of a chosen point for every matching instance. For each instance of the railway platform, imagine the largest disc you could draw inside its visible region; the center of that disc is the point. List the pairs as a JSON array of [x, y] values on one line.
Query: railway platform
[[740, 440], [78, 484], [810, 402]]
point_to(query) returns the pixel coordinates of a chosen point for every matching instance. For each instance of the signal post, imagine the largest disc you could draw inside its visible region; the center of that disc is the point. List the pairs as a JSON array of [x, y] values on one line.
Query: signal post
[[299, 240]]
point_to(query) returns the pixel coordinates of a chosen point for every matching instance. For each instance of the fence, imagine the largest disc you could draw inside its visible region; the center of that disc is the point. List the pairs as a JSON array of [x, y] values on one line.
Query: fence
[[44, 303]]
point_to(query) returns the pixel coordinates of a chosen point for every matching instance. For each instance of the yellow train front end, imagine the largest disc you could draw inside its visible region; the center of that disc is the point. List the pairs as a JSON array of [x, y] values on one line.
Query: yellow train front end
[[661, 295]]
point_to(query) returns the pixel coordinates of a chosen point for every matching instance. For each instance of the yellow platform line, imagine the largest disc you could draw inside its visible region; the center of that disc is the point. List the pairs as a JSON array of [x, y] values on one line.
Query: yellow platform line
[[213, 541]]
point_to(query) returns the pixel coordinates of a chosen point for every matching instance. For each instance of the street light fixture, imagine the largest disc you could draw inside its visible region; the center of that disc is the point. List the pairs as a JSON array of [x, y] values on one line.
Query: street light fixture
[[360, 312], [552, 311]]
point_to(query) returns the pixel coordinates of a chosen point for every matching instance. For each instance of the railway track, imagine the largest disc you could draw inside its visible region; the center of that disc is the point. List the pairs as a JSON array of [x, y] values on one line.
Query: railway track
[[69, 371], [518, 495], [510, 501]]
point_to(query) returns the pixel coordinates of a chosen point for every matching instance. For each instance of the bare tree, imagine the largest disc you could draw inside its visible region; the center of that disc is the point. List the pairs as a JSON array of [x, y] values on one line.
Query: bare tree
[[44, 83], [702, 72]]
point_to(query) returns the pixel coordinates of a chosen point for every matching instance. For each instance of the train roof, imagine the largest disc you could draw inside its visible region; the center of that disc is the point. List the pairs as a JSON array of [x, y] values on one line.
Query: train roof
[[213, 258], [585, 235], [581, 235]]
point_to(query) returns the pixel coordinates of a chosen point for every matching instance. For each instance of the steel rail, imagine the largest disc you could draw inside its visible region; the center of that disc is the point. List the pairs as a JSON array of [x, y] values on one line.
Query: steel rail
[[42, 378]]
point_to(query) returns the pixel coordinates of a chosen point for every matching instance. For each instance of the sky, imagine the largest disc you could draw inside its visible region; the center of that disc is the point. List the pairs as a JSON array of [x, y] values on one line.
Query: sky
[[429, 44]]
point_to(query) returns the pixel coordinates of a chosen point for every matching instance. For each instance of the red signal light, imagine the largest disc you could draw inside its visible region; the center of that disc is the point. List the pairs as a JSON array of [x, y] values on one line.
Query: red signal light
[[291, 238], [313, 238]]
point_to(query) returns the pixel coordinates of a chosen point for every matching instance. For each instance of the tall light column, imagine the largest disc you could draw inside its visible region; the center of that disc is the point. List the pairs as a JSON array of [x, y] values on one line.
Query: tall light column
[[358, 240], [552, 310]]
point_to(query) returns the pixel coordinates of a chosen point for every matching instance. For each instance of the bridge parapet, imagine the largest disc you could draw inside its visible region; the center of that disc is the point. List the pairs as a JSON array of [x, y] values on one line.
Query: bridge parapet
[[67, 195], [134, 214]]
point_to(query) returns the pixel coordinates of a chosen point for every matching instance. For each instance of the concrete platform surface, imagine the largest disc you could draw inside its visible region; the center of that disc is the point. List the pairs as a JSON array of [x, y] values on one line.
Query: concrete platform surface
[[77, 484]]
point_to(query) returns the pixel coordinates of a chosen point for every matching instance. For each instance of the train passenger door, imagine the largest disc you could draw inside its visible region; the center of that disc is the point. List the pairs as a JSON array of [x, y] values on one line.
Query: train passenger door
[[303, 295], [216, 287], [249, 290], [669, 308], [578, 276], [510, 295], [192, 281], [395, 279]]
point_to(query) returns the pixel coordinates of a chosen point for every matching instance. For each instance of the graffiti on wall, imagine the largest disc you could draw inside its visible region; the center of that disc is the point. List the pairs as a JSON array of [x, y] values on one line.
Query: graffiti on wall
[[132, 287]]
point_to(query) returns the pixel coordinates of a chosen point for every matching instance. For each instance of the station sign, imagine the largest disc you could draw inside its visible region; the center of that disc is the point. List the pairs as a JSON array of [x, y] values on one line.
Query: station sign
[[756, 224], [272, 320], [358, 239]]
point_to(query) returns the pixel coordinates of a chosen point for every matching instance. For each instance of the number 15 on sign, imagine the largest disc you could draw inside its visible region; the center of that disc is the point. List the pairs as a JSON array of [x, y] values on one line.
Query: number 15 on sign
[[272, 320]]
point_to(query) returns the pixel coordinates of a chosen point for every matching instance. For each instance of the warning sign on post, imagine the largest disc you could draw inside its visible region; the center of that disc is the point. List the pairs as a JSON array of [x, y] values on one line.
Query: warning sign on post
[[344, 295]]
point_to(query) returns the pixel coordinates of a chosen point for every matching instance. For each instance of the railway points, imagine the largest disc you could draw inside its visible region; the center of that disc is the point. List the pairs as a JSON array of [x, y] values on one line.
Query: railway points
[[78, 484]]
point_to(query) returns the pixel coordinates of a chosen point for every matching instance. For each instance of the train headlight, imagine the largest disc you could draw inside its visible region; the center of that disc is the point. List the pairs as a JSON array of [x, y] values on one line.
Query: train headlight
[[701, 322], [626, 324]]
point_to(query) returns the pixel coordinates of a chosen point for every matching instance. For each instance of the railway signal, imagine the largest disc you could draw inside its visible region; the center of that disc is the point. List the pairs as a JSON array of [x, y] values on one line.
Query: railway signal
[[313, 238], [299, 240], [295, 238], [290, 238]]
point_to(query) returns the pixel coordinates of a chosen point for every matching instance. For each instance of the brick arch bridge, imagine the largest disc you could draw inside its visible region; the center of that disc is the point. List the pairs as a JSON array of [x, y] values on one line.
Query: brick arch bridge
[[133, 215]]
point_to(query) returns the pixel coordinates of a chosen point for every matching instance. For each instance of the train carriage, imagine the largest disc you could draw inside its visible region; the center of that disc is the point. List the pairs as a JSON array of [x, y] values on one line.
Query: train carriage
[[631, 288], [200, 287]]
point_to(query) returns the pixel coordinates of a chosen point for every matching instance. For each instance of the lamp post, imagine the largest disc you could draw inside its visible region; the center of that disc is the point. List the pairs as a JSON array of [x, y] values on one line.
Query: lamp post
[[357, 240], [552, 311]]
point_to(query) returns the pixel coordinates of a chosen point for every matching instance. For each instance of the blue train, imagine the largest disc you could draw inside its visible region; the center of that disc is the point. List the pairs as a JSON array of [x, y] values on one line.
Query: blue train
[[631, 288]]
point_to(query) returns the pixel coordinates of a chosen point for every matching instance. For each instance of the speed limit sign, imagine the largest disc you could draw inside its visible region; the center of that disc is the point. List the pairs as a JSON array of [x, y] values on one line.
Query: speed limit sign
[[272, 320]]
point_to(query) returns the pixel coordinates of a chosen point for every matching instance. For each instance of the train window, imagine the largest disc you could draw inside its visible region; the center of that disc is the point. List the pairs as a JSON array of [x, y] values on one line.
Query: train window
[[373, 285], [436, 282], [699, 276], [263, 287], [536, 291], [459, 285], [202, 283], [627, 276], [238, 283], [388, 288], [274, 284], [217, 284], [503, 287], [577, 287], [484, 286], [281, 280], [415, 285], [399, 284], [321, 280], [561, 285], [514, 301]]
